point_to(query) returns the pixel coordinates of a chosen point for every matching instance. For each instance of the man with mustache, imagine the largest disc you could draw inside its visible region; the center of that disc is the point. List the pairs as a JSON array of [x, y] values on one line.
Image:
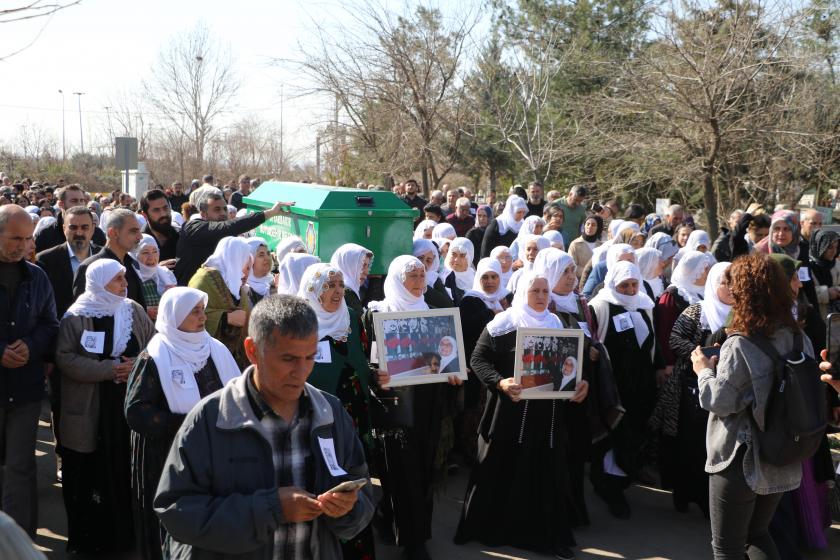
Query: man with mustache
[[155, 208]]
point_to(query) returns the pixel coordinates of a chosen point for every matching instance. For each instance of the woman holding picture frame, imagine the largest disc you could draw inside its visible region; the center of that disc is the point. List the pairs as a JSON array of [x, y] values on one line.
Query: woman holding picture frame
[[411, 422], [523, 448], [341, 367]]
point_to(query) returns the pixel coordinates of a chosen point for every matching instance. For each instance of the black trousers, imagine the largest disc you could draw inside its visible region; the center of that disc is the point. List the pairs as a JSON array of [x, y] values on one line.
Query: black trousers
[[740, 517]]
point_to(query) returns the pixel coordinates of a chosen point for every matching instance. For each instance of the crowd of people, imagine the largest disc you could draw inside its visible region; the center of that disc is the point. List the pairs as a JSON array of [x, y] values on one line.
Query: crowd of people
[[207, 394]]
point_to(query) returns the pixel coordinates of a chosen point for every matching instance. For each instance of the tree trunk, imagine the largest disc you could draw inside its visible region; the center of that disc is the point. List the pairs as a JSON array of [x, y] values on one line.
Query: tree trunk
[[710, 200], [494, 177]]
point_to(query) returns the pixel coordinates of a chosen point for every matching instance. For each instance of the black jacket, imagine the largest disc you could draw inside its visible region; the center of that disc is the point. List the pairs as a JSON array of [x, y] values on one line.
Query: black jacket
[[199, 238], [135, 291], [168, 250], [53, 235], [31, 318], [56, 263], [492, 238]]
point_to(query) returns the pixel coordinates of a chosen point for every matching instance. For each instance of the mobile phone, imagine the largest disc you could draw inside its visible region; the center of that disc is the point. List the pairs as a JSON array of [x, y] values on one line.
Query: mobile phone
[[711, 351], [348, 486], [832, 338]]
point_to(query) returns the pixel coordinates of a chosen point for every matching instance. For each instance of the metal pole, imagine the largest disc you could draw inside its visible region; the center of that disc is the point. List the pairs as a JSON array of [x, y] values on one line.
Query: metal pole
[[81, 135], [63, 141]]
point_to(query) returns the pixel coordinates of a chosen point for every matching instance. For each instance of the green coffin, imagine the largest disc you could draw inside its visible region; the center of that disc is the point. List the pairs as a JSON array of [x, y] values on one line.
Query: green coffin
[[328, 217]]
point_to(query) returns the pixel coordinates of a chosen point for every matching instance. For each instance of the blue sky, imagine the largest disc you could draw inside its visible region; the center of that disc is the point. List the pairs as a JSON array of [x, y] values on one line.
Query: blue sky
[[102, 47]]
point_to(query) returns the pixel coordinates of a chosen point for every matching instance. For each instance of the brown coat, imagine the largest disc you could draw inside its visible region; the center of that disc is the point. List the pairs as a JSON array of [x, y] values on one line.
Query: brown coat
[[81, 373]]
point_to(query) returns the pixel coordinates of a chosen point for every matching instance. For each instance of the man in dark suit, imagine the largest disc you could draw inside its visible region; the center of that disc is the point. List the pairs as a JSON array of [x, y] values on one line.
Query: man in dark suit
[[123, 236], [60, 262], [53, 235]]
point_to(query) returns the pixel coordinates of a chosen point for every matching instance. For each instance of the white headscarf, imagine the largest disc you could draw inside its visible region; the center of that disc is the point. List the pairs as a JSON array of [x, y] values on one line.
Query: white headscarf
[[335, 325], [624, 270], [43, 223], [291, 271], [349, 259], [507, 219], [446, 360], [648, 260], [696, 238], [664, 243], [423, 227], [529, 225], [229, 258], [552, 263], [713, 312], [615, 227], [96, 301], [162, 276], [520, 314], [616, 250], [397, 296], [464, 280], [287, 246], [178, 354], [688, 270], [444, 229], [491, 299], [423, 246], [494, 254], [441, 242], [555, 237], [260, 285]]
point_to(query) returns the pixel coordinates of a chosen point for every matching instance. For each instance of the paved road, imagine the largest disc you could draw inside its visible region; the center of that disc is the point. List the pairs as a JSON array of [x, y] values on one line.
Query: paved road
[[656, 531]]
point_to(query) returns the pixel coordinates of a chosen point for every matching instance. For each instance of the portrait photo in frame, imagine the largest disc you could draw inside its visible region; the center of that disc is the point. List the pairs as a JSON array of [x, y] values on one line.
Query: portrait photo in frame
[[548, 362], [418, 347]]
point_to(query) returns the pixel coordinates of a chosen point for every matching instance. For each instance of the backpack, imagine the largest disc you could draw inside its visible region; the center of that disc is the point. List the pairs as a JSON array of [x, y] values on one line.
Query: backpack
[[795, 418]]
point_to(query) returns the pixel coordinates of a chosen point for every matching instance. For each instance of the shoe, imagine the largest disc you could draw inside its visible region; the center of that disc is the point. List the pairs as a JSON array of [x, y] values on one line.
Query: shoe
[[416, 552], [58, 476], [563, 553]]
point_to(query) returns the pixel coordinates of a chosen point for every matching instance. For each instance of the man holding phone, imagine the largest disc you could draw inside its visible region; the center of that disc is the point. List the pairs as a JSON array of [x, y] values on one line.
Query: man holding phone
[[256, 469]]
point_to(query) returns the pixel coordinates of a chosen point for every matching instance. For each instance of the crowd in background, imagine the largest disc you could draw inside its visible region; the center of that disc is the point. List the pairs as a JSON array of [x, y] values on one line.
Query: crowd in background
[[126, 314]]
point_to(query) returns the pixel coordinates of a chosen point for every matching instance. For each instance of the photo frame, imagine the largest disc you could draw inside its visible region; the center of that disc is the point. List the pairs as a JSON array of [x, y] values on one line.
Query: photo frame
[[542, 359], [419, 347]]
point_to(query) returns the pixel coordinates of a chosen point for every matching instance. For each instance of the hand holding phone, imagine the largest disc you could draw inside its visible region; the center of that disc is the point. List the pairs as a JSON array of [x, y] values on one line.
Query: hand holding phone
[[347, 486], [711, 351]]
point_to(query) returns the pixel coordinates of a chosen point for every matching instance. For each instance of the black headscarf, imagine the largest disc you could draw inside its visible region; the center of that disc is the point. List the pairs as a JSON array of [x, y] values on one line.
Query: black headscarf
[[821, 240], [597, 235]]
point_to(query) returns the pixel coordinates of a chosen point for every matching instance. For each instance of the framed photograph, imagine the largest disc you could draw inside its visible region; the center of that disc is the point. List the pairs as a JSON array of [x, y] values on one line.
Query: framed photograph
[[419, 347], [548, 362]]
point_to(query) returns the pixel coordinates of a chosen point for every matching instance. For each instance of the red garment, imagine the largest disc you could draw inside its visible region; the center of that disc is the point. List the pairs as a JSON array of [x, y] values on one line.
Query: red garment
[[461, 225], [665, 314]]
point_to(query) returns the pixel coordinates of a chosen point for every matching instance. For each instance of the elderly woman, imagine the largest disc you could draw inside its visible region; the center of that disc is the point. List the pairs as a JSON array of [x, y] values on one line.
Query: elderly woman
[[444, 229], [651, 265], [678, 418], [458, 271], [532, 225], [223, 278], [436, 295], [341, 366], [99, 338], [181, 365], [624, 323], [155, 279], [744, 490], [504, 229], [521, 442], [354, 263], [425, 229], [260, 280], [411, 438], [825, 270], [483, 215], [531, 247]]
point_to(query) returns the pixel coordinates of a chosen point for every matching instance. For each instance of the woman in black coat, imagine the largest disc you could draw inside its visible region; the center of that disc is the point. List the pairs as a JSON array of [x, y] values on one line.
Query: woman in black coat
[[504, 229]]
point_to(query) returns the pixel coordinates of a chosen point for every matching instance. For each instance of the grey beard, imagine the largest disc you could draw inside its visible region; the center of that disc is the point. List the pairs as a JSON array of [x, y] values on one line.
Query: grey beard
[[80, 245]]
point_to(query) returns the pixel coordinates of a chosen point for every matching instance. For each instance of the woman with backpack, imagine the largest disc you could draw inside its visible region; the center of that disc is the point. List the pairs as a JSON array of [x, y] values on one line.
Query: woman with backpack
[[747, 479]]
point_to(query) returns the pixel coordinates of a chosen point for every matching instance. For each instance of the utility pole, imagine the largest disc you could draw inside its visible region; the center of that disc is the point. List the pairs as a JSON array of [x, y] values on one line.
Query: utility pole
[[63, 141], [81, 134]]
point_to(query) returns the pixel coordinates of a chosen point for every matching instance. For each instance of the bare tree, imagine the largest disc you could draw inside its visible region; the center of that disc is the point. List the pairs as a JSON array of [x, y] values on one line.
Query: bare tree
[[193, 83], [397, 80], [31, 10]]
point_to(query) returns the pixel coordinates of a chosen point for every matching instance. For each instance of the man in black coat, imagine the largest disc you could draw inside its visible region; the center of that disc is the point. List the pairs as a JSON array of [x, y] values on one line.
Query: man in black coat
[[60, 262], [155, 208], [123, 236], [199, 237], [52, 235], [412, 196]]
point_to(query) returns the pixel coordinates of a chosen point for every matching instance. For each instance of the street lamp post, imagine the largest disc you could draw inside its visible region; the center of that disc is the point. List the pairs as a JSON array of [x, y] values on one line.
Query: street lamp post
[[63, 141], [81, 135]]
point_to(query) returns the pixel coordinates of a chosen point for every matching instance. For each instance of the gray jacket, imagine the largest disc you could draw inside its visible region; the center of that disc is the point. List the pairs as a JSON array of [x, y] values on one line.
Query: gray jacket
[[217, 497], [736, 395]]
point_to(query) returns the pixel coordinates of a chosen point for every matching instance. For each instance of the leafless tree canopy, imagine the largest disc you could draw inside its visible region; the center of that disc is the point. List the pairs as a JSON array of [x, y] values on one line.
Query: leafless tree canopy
[[193, 83]]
